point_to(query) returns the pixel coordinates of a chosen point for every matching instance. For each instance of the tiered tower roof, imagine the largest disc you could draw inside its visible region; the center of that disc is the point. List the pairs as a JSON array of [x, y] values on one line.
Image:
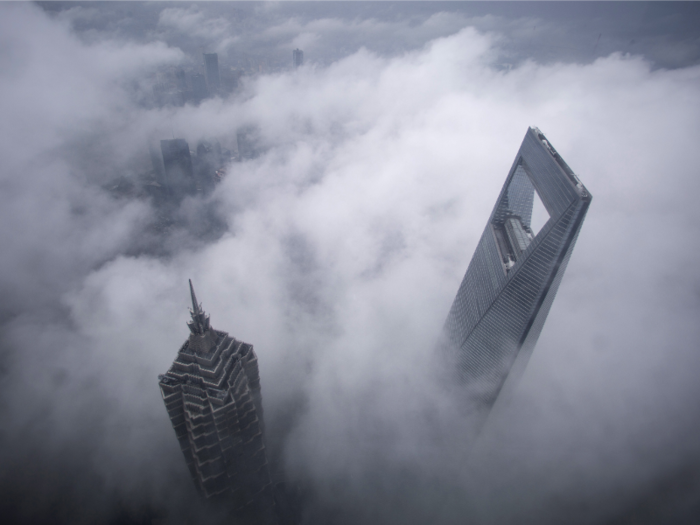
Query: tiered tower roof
[[212, 395]]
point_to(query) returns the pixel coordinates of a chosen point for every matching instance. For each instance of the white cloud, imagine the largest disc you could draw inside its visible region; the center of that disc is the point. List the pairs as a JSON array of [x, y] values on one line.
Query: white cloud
[[216, 31], [192, 21], [347, 241]]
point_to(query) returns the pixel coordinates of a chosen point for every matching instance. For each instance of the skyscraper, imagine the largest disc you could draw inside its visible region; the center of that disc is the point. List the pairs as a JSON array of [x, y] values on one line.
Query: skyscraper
[[211, 63], [297, 57], [505, 296], [199, 88], [179, 177], [181, 80], [157, 162], [212, 395]]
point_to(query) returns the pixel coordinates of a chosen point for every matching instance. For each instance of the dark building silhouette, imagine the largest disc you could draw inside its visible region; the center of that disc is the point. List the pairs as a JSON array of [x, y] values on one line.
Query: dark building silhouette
[[297, 57], [230, 80], [199, 88], [179, 177], [247, 142], [181, 80], [211, 63], [208, 161], [508, 289], [212, 395], [157, 162], [165, 95]]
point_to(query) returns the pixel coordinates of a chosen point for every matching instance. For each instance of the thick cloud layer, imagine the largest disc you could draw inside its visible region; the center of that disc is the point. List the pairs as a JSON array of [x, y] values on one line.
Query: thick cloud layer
[[344, 245]]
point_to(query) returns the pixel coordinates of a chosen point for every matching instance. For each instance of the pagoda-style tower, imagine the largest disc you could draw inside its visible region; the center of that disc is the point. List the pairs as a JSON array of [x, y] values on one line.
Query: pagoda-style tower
[[212, 395]]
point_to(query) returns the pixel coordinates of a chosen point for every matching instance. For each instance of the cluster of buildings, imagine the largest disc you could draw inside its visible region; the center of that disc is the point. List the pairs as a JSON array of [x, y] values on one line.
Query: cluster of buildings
[[177, 87], [179, 172], [212, 391]]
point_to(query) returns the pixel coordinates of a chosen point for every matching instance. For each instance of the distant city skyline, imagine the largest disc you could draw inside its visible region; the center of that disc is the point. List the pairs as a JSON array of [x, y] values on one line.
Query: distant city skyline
[[664, 32]]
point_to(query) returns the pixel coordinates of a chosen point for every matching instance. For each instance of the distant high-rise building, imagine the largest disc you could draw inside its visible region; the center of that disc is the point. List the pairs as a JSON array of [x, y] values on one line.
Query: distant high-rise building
[[212, 395], [179, 177], [247, 140], [506, 294], [181, 80], [199, 87], [208, 160], [211, 62], [298, 57], [157, 162]]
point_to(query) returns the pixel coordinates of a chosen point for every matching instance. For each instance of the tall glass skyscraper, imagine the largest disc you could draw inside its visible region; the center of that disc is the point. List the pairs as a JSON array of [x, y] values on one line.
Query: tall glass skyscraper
[[506, 294]]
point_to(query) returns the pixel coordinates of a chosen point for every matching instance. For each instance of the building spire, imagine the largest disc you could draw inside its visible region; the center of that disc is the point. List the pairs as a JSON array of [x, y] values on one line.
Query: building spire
[[196, 307], [200, 321]]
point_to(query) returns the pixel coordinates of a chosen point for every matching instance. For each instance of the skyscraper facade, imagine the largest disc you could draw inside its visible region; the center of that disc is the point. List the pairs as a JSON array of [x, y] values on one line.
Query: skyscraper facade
[[508, 289], [212, 395], [297, 57], [211, 63]]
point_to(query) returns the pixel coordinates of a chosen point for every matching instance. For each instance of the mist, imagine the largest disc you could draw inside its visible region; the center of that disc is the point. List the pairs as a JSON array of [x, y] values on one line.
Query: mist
[[337, 251]]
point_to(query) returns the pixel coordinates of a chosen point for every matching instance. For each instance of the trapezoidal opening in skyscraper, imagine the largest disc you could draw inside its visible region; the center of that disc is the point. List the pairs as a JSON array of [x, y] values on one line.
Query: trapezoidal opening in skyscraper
[[519, 217], [510, 284]]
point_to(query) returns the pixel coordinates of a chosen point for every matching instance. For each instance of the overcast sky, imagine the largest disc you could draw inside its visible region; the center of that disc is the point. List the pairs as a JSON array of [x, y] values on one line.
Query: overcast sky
[[344, 245]]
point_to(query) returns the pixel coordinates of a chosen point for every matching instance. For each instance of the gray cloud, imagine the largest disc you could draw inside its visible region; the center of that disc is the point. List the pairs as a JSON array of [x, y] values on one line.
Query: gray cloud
[[564, 31], [345, 243]]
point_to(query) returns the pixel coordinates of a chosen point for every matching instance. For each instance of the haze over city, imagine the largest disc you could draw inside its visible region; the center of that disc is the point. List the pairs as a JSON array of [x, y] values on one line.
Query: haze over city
[[352, 193]]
